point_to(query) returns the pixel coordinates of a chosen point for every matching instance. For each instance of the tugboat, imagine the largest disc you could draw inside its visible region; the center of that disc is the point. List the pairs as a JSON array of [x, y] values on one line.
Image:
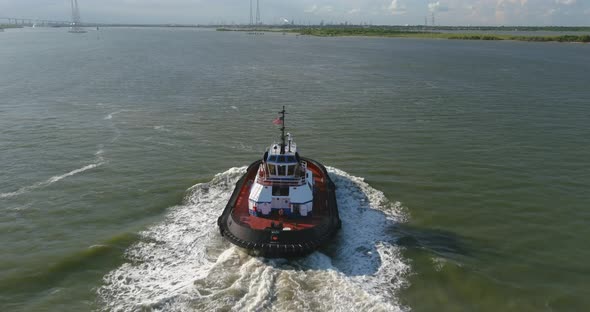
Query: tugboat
[[284, 205]]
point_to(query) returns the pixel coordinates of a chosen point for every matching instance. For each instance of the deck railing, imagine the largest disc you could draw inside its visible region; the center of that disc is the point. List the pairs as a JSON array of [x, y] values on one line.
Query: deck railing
[[264, 177]]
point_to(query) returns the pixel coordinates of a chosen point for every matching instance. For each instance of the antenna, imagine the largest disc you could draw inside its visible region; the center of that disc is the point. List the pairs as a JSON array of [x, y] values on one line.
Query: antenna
[[283, 130], [433, 19]]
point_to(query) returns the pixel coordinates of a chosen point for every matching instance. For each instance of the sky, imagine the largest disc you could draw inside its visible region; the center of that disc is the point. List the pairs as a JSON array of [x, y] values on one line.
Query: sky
[[376, 12]]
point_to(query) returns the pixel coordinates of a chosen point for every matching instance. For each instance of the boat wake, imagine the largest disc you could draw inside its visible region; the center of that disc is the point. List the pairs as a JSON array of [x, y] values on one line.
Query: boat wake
[[183, 264], [25, 189], [110, 116]]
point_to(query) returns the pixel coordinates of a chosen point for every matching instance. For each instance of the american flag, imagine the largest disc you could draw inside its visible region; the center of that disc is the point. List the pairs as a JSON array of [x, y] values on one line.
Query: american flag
[[278, 121]]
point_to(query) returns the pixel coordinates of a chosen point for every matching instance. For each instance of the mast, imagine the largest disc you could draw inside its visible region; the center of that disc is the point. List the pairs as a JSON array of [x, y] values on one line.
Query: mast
[[282, 130]]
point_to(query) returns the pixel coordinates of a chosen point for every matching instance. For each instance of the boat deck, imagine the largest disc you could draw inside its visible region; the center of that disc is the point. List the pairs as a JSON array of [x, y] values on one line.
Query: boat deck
[[320, 205]]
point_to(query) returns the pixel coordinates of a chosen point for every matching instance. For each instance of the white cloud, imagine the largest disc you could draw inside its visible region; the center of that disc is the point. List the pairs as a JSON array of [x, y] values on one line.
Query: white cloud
[[550, 12], [397, 7], [513, 11], [437, 7], [508, 3], [316, 9], [312, 9], [565, 2]]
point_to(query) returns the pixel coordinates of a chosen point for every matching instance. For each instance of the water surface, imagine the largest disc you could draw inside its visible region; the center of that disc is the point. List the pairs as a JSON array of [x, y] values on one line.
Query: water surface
[[462, 170]]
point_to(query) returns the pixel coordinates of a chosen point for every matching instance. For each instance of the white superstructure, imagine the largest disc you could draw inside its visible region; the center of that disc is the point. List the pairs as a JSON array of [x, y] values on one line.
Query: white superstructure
[[283, 185]]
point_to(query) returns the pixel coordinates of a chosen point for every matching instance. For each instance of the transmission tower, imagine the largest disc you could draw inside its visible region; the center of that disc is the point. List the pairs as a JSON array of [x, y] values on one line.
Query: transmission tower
[[76, 23], [251, 18], [257, 12]]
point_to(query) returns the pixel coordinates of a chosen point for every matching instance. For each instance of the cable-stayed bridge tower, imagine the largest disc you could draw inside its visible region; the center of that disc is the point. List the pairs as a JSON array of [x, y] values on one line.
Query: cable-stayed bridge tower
[[76, 23]]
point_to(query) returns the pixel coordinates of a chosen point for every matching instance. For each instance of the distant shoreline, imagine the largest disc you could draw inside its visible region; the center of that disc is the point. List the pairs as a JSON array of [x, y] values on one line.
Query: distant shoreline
[[6, 26], [572, 34], [399, 32]]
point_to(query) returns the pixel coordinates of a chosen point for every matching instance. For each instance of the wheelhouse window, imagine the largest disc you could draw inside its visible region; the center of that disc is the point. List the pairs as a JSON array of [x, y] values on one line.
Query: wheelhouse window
[[272, 169], [282, 165], [282, 158]]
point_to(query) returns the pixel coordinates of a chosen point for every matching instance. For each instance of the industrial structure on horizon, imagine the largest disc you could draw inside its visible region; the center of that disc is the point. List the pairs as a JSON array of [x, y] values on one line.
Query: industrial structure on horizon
[[76, 26], [258, 22]]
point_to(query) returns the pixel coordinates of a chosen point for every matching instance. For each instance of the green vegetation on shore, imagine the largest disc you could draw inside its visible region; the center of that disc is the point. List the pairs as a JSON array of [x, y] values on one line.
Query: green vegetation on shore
[[358, 31], [412, 32], [10, 26], [384, 32], [562, 38]]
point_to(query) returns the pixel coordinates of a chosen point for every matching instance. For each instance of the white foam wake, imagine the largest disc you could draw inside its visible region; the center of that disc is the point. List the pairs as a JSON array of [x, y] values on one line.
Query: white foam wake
[[110, 116], [161, 128], [25, 189], [183, 264]]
